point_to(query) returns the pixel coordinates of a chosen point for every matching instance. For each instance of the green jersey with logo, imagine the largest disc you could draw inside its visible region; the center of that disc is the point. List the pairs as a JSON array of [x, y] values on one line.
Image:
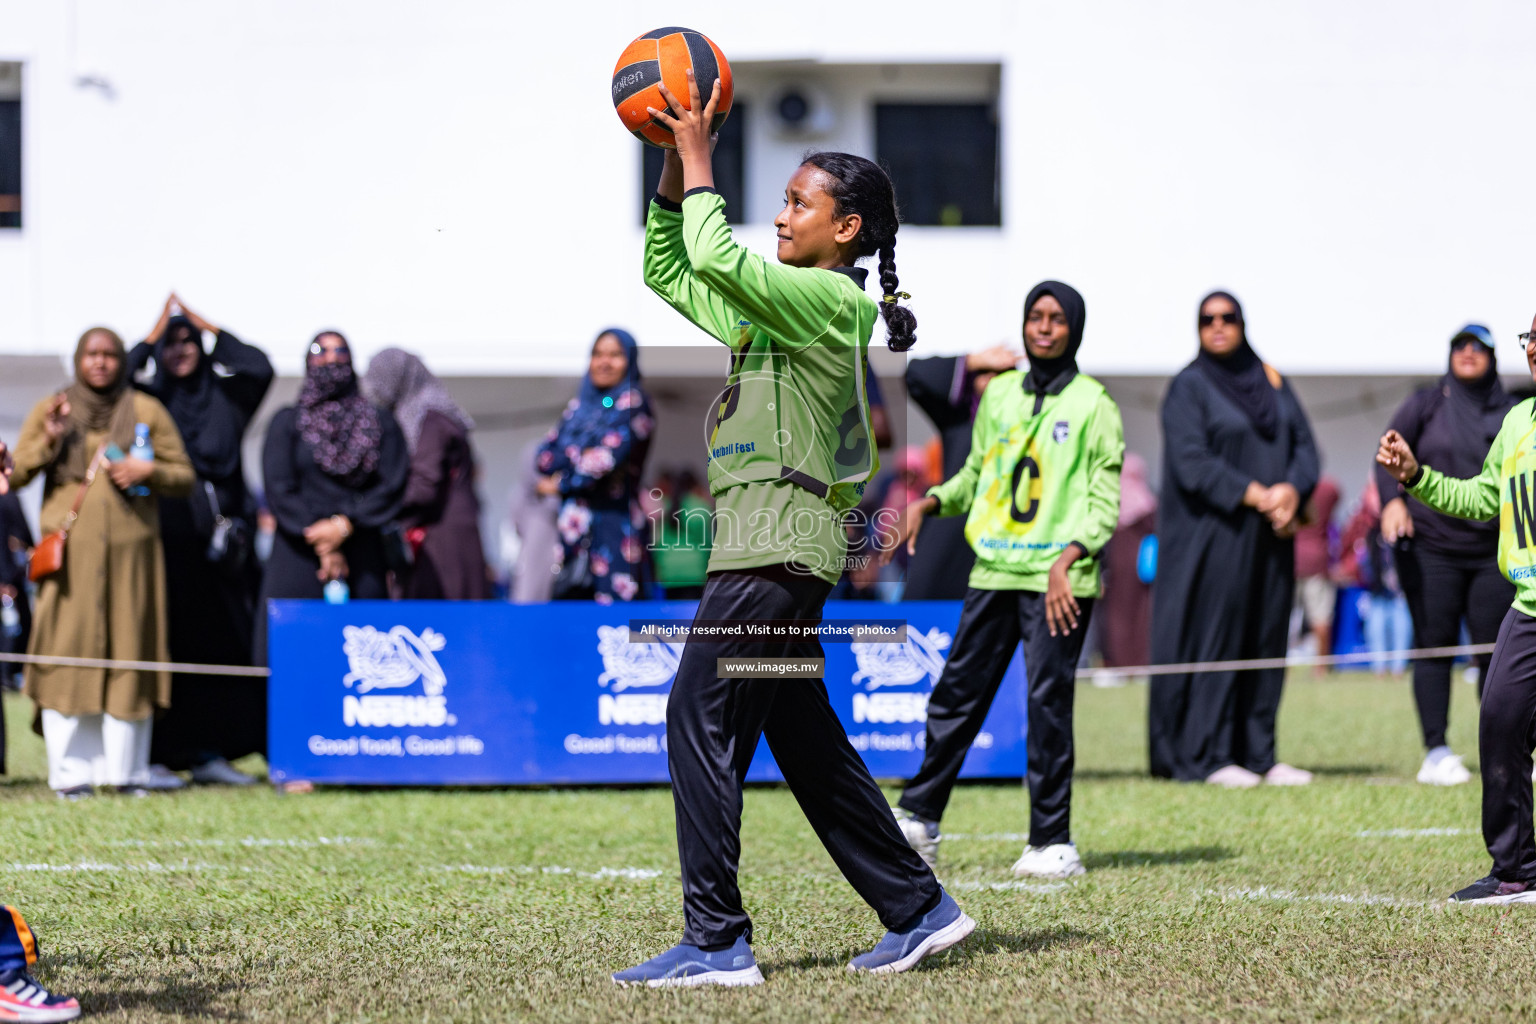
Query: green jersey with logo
[[1505, 488], [1039, 477], [788, 438]]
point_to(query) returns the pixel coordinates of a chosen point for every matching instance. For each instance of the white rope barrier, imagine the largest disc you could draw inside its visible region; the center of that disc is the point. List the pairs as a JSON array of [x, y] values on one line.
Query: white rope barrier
[[1412, 654], [1131, 671], [136, 666]]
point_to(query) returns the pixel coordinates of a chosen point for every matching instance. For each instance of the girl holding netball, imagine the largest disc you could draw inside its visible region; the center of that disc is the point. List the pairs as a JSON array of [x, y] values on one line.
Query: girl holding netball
[[1505, 725], [789, 454]]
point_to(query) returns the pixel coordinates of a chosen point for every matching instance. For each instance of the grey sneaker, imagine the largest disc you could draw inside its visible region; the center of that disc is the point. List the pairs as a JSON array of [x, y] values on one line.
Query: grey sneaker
[[220, 772], [922, 835], [161, 777], [935, 931]]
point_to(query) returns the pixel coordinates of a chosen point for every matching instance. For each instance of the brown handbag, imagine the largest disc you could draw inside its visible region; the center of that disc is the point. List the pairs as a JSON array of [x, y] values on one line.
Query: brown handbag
[[48, 556]]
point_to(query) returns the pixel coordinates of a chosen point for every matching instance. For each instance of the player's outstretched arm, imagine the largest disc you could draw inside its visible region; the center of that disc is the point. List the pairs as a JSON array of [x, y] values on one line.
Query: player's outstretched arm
[[690, 127], [1474, 498]]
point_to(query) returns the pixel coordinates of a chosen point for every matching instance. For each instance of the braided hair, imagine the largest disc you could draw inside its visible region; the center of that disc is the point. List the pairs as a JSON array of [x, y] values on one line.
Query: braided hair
[[861, 186]]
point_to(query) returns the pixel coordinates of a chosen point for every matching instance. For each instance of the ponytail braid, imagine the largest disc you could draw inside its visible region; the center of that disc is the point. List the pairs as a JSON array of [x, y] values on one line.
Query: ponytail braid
[[900, 323], [860, 186]]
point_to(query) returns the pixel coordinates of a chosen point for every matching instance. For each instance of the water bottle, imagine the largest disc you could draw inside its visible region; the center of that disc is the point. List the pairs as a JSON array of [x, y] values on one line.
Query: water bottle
[[10, 618], [337, 592], [141, 449]]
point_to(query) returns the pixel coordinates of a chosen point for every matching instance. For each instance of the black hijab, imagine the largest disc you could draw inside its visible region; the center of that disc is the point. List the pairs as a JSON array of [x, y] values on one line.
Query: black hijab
[[1241, 377], [209, 423], [1476, 407], [1049, 376]]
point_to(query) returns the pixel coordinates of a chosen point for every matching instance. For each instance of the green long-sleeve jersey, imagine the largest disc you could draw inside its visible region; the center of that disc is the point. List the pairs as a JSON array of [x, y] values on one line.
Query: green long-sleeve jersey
[[789, 445], [1039, 477], [1505, 488]]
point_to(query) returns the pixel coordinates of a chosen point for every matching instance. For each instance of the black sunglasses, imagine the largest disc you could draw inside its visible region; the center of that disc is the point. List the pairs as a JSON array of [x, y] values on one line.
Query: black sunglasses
[[1525, 339], [1206, 319], [342, 351]]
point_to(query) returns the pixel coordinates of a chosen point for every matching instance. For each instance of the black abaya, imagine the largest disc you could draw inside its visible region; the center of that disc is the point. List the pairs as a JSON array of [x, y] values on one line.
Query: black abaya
[[15, 542], [210, 611], [942, 565], [1224, 580], [300, 493]]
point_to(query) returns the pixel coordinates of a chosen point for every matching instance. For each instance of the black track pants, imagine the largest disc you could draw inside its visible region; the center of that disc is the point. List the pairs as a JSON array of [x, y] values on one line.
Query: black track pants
[[1442, 590], [1506, 735], [992, 623], [713, 725]]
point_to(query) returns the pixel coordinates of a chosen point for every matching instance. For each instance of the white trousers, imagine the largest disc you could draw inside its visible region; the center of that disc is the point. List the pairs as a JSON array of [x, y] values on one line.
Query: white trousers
[[96, 750]]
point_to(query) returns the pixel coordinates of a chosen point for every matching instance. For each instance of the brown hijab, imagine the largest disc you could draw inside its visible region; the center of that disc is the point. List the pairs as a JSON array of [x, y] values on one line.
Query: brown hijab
[[92, 411]]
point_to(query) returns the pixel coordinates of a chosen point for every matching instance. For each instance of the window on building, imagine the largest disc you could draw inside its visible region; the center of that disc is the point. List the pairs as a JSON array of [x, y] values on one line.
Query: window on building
[[10, 145], [943, 159], [730, 159]]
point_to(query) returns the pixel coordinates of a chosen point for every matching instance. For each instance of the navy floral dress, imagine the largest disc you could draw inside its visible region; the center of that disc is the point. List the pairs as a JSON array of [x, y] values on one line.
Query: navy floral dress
[[598, 451]]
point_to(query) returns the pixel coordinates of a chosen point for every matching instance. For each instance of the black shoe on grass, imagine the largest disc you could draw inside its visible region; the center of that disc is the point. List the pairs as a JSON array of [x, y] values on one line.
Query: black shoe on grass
[[1491, 890]]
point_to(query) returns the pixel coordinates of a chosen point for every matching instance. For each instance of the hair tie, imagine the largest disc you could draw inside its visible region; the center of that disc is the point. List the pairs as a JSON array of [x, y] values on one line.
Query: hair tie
[[898, 295]]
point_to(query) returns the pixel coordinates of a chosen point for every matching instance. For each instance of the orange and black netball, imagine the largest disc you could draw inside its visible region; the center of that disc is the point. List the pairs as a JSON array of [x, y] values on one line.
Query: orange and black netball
[[665, 55]]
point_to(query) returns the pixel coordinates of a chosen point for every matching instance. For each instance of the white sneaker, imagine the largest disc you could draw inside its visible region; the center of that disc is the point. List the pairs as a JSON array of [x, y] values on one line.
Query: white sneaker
[[1234, 776], [1059, 860], [1443, 769], [220, 772], [161, 777], [1284, 774], [918, 836]]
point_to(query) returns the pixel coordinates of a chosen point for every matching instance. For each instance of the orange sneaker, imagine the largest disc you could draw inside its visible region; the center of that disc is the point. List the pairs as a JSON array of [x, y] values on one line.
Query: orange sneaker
[[23, 999]]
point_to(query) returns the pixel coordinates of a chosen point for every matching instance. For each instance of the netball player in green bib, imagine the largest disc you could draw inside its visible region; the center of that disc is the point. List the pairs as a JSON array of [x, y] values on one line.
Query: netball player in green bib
[[789, 453], [1040, 492], [1506, 728]]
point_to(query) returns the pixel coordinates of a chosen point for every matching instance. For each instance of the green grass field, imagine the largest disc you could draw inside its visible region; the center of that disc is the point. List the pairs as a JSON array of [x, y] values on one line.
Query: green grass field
[[1322, 903]]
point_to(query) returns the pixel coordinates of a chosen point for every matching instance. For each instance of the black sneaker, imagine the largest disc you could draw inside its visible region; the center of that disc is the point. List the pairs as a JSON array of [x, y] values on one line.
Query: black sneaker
[[23, 999], [1491, 890]]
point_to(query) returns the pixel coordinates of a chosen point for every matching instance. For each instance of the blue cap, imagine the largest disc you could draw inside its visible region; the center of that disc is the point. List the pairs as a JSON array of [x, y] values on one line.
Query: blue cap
[[1474, 331]]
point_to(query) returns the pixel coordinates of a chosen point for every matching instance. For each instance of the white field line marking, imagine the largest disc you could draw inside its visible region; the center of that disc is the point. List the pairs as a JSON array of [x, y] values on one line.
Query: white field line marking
[[1411, 833], [152, 867], [1040, 888], [986, 837], [249, 841], [1265, 893], [632, 874]]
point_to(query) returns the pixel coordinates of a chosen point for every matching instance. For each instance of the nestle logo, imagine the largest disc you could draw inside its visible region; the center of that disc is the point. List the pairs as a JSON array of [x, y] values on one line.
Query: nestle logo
[[632, 709], [377, 712], [890, 707]]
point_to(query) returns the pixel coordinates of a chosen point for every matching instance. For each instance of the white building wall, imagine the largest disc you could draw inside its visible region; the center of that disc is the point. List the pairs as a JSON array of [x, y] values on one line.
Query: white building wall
[[449, 176]]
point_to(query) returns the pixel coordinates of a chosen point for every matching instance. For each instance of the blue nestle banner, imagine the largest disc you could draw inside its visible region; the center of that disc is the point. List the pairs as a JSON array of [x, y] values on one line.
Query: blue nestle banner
[[484, 693]]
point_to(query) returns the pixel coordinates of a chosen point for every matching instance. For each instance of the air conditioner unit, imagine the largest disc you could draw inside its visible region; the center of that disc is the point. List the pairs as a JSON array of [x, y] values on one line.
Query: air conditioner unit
[[803, 111]]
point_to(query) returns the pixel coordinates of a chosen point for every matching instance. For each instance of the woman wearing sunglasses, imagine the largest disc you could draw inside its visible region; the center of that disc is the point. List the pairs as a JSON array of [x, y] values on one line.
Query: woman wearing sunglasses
[[1500, 490], [1449, 567], [1238, 465], [335, 467]]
